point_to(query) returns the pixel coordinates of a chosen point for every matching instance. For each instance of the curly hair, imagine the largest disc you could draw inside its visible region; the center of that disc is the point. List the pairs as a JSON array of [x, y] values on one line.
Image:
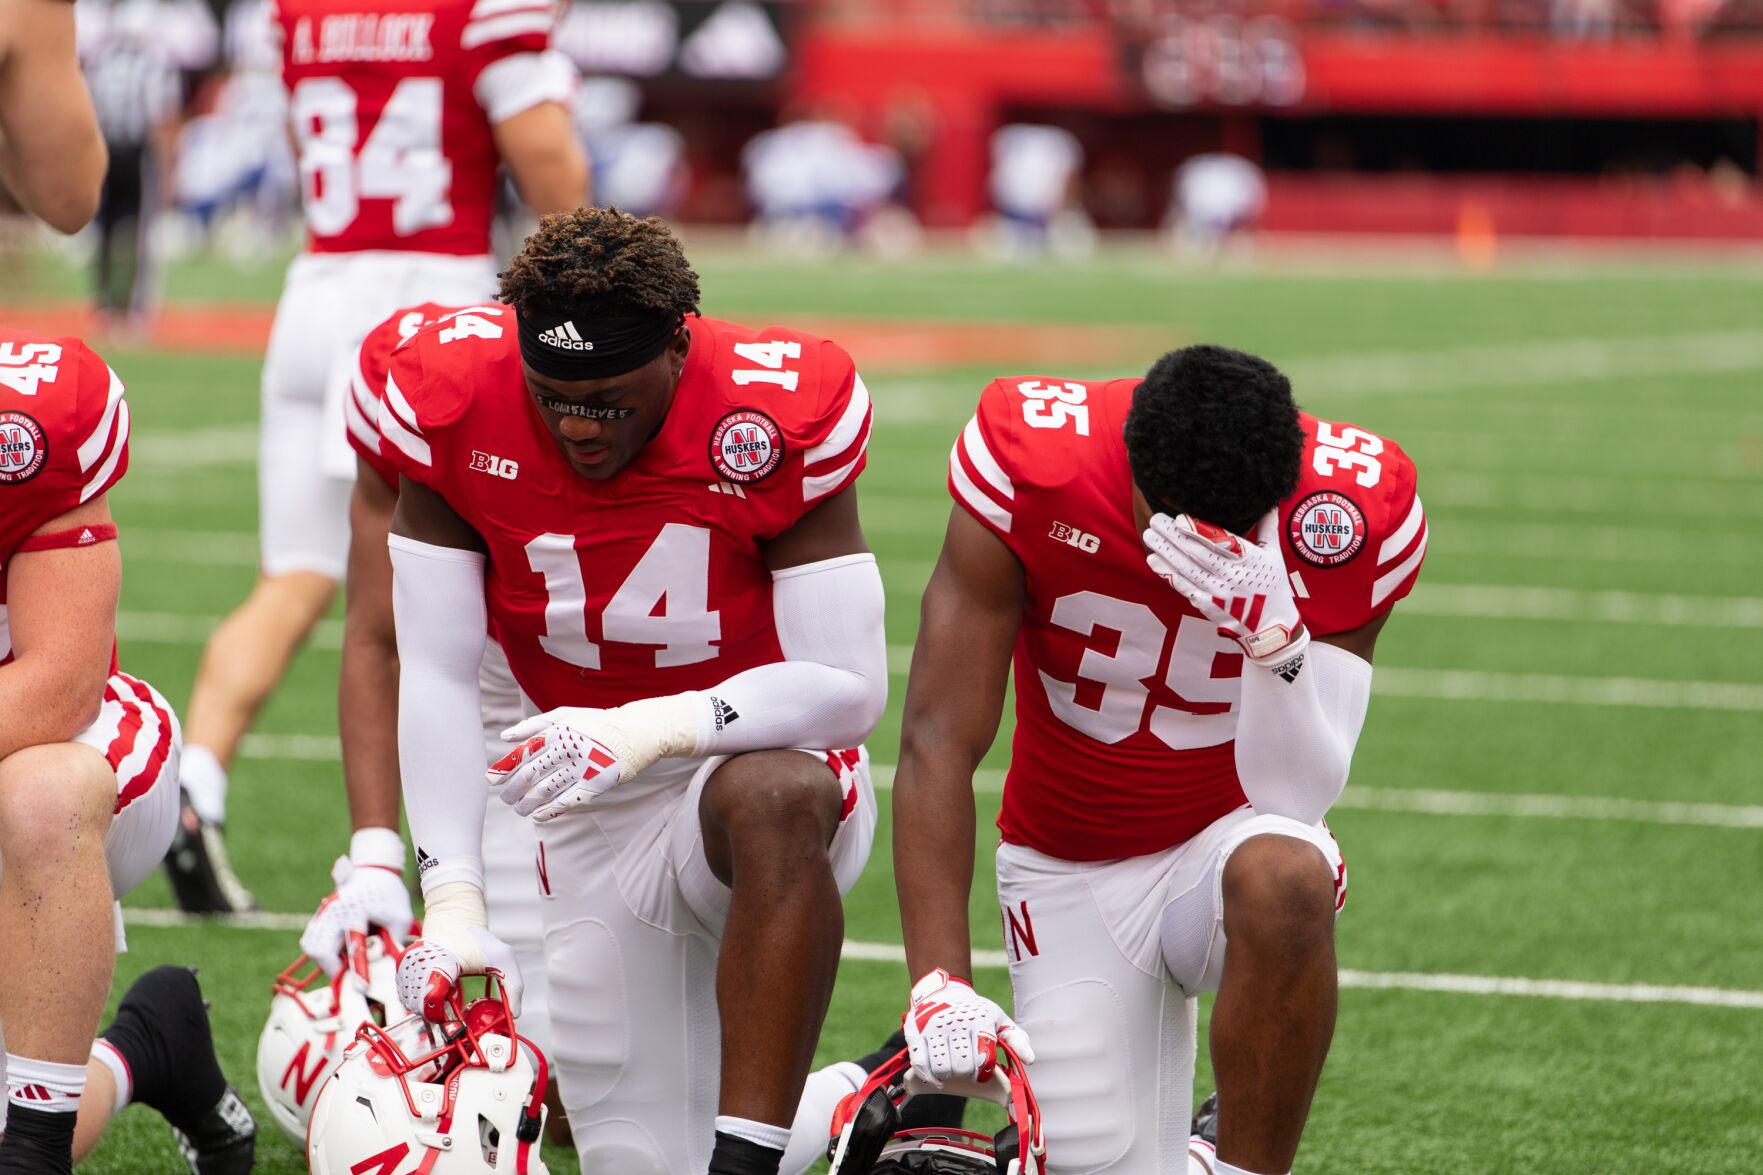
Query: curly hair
[[601, 263], [1214, 433]]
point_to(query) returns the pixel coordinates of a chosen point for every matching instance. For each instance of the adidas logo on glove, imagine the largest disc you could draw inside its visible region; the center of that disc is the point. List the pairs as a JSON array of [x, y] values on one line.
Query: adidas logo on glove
[[565, 337]]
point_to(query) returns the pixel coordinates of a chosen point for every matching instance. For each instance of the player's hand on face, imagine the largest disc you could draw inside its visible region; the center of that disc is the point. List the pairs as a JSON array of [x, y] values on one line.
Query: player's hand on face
[[366, 895], [952, 1031], [564, 758], [431, 968], [1240, 585]]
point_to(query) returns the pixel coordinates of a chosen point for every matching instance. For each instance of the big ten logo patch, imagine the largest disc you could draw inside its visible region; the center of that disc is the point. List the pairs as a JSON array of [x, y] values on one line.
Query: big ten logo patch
[[502, 467], [23, 448], [746, 446], [1071, 536]]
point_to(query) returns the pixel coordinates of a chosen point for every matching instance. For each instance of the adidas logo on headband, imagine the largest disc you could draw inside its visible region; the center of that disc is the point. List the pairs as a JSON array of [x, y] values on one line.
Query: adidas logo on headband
[[565, 337]]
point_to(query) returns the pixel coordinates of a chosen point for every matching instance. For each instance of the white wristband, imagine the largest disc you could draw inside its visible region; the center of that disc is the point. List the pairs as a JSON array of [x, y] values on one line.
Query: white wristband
[[377, 846]]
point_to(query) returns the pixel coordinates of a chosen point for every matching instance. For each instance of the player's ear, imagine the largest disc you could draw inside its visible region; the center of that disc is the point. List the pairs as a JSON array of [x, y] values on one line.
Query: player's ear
[[676, 350]]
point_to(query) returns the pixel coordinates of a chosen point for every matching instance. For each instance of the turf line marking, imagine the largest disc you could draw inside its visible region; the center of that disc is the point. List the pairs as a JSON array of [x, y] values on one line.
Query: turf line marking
[[1487, 601], [1427, 802], [881, 952], [185, 628], [1471, 685]]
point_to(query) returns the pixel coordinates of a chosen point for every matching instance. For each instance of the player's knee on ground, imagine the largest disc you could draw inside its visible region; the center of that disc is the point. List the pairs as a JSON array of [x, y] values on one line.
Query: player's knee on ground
[[51, 798], [1278, 896], [768, 809]]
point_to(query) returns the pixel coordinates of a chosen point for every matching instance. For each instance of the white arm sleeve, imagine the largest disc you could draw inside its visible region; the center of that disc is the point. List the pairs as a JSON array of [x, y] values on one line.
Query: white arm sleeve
[[438, 604], [827, 694], [1295, 739], [521, 81]]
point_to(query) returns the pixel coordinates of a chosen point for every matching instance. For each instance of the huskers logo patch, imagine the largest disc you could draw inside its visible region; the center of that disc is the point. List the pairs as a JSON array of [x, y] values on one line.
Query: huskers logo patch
[[1326, 529], [746, 447], [23, 448]]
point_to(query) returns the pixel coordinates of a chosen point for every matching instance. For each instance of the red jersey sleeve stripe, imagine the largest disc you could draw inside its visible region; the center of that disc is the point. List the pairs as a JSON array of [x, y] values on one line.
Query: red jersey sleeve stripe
[[119, 443], [93, 446], [961, 483], [1386, 584], [1403, 535], [507, 27], [973, 443], [361, 426], [399, 407], [822, 484]]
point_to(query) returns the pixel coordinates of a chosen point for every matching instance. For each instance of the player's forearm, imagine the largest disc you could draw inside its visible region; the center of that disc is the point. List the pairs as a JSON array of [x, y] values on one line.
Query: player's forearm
[[438, 602], [933, 851], [367, 720], [553, 180], [52, 155], [367, 692], [1295, 740]]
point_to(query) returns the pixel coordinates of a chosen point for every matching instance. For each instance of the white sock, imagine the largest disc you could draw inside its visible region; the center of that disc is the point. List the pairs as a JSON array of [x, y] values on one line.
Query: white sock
[[1202, 1156], [106, 1055], [1220, 1167], [44, 1085], [201, 774], [759, 1133], [821, 1096]]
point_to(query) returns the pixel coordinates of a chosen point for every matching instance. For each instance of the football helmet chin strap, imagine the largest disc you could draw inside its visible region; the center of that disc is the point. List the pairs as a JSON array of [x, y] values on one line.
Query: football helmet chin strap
[[866, 1134]]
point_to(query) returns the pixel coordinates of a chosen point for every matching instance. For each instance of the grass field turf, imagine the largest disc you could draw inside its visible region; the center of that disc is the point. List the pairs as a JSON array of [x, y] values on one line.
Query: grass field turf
[[1581, 429]]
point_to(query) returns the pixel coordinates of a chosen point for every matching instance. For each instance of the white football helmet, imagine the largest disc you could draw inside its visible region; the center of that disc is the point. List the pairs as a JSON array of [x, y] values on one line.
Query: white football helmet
[[312, 1020], [472, 1105]]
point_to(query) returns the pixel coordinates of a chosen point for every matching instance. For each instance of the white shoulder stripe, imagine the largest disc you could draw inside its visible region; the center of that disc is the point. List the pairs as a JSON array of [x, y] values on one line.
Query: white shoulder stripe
[[1404, 534], [505, 28], [975, 444], [400, 407], [844, 433], [119, 443], [361, 426], [977, 499], [363, 396], [484, 9], [93, 446], [409, 443], [1392, 579], [823, 484]]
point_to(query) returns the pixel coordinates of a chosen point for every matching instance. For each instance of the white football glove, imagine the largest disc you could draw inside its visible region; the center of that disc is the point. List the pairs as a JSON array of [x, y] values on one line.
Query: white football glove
[[570, 755], [1239, 585], [366, 895], [454, 943], [952, 1031]]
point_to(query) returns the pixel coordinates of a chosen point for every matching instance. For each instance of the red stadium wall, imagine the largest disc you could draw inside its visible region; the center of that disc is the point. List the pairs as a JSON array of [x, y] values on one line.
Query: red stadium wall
[[966, 80]]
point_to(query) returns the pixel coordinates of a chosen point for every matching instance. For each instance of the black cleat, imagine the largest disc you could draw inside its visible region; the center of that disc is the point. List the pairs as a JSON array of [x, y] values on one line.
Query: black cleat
[[224, 1142], [161, 1031], [1206, 1119], [201, 876]]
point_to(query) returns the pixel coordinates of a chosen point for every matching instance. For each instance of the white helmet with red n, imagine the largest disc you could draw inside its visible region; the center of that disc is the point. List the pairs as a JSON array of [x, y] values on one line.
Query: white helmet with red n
[[472, 1105], [867, 1139], [312, 1020]]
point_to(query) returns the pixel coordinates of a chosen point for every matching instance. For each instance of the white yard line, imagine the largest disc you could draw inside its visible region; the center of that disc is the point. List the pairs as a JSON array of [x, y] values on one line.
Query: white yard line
[[187, 628], [1471, 685], [1494, 602], [882, 952]]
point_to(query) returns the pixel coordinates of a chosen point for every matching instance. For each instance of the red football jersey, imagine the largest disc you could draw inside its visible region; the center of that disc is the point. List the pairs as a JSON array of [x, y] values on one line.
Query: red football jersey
[[653, 581], [64, 438], [1126, 697], [367, 383], [392, 103]]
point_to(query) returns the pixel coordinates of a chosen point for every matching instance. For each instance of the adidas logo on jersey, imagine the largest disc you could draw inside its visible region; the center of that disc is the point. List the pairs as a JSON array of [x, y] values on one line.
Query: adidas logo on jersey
[[565, 337]]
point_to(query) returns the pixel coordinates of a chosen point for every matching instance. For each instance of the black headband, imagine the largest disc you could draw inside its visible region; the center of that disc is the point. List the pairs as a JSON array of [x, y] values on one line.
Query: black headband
[[594, 348]]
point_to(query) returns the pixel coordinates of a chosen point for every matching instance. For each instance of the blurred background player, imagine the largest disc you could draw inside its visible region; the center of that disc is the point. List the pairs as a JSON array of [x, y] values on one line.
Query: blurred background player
[[1215, 197], [132, 57], [400, 119], [88, 791], [1199, 607], [52, 155], [1036, 190]]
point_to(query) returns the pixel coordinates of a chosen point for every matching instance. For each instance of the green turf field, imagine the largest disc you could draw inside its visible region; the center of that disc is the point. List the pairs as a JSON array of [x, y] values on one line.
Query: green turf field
[[1558, 780]]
